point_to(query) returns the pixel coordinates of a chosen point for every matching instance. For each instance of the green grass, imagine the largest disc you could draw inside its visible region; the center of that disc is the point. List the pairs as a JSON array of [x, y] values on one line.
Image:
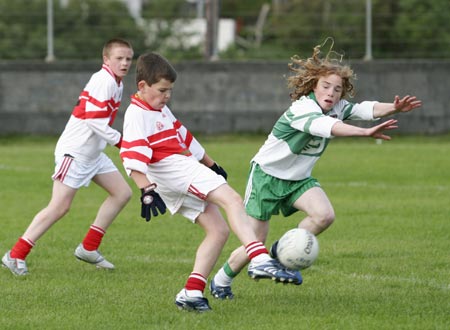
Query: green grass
[[384, 264]]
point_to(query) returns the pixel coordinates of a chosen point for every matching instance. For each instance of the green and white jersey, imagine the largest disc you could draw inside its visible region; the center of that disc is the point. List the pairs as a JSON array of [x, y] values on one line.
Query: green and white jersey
[[301, 135]]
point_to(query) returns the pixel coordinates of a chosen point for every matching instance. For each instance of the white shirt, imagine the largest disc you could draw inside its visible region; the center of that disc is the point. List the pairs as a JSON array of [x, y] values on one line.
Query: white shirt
[[301, 135], [89, 130]]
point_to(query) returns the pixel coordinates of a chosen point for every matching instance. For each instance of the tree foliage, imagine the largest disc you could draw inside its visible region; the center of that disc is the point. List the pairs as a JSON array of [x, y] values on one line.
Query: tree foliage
[[400, 28], [80, 29]]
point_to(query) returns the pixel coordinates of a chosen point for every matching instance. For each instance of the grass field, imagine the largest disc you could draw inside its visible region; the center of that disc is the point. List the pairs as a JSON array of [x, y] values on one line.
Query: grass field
[[384, 264]]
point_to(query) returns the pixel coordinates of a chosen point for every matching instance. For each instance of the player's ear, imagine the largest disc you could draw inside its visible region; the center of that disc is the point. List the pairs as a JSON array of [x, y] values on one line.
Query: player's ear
[[141, 84]]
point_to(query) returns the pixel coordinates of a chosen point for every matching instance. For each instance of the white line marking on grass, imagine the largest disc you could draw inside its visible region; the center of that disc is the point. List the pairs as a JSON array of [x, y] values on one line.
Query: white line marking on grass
[[384, 186], [410, 280], [21, 168]]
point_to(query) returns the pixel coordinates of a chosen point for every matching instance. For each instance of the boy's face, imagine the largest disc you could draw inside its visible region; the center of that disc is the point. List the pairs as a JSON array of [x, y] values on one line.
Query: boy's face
[[328, 91], [119, 60], [157, 94]]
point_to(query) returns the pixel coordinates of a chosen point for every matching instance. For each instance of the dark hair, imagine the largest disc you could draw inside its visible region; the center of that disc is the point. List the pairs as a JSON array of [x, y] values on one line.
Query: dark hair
[[152, 67]]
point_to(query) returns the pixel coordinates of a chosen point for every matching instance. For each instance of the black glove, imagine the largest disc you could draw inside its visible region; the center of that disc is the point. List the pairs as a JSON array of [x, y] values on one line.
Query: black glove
[[219, 170], [151, 201]]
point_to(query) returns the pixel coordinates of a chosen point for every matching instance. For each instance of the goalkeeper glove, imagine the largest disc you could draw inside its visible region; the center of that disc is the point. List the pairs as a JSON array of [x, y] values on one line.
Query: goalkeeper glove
[[219, 170], [151, 203]]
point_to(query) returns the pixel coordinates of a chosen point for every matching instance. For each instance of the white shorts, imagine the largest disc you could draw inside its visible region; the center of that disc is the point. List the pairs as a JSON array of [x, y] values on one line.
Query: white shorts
[[184, 185], [75, 174]]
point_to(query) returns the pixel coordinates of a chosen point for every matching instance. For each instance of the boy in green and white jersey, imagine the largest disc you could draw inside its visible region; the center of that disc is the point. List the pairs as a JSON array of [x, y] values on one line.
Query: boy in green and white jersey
[[280, 177]]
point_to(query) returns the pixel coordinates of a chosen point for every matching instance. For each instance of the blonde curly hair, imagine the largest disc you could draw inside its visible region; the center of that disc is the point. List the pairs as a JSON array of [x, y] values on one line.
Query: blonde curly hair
[[308, 71]]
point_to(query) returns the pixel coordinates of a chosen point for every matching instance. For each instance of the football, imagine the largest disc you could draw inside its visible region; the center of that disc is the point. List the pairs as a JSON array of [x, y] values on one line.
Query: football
[[297, 249]]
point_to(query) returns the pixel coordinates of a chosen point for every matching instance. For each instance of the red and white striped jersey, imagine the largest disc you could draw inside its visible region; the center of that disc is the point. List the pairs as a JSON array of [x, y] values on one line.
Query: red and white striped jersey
[[89, 130], [151, 136]]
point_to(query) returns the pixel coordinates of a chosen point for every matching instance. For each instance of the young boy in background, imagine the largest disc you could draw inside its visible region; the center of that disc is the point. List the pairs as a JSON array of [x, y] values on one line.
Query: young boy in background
[[80, 159]]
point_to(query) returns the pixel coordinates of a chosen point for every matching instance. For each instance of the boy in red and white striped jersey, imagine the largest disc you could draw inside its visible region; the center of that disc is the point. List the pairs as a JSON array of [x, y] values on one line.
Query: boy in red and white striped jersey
[[80, 159], [173, 170]]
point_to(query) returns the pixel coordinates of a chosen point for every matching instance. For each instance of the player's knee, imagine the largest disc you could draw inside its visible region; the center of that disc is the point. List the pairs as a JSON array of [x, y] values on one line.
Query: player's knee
[[235, 200], [221, 232], [224, 232], [60, 211], [127, 194], [124, 195], [325, 219]]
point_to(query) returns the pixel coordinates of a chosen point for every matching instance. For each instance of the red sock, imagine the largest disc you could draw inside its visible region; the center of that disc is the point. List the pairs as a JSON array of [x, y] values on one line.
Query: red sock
[[21, 249], [196, 281], [93, 238], [255, 248]]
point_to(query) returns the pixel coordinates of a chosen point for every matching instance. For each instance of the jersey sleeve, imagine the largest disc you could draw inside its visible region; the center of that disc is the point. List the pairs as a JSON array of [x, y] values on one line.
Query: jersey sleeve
[[359, 111], [135, 150], [98, 108], [306, 116], [188, 139]]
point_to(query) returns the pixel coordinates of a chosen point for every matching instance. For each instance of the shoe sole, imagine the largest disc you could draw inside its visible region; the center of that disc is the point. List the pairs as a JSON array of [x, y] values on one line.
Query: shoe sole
[[273, 278], [96, 265], [185, 307], [12, 272], [217, 295]]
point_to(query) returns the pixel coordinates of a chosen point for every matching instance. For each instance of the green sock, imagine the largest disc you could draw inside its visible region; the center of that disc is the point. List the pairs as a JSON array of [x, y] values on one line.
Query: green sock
[[227, 269]]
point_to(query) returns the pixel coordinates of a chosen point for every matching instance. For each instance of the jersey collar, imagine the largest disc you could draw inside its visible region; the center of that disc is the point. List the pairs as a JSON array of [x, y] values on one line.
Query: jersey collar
[[108, 69], [136, 100]]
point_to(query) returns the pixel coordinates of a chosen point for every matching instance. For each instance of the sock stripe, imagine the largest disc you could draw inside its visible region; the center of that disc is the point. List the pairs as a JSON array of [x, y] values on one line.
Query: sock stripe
[[255, 248], [29, 241], [196, 281], [198, 276], [100, 230], [228, 271]]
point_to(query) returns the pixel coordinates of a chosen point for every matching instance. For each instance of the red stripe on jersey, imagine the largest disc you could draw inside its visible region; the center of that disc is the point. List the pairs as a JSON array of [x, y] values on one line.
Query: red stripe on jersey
[[177, 124], [189, 137], [135, 143], [163, 136], [194, 191], [105, 108], [135, 155]]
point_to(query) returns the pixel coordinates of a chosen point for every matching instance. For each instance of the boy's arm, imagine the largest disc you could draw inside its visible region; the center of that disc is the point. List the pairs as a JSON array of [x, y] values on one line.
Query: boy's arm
[[377, 132], [209, 162], [405, 104], [206, 160], [140, 179]]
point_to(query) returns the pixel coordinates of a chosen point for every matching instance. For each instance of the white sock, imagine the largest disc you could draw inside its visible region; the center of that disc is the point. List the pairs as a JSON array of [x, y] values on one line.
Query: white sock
[[194, 293], [261, 258], [222, 279]]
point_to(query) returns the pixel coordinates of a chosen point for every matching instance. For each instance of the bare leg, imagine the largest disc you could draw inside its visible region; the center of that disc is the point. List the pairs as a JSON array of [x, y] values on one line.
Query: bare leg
[[119, 195], [217, 233], [59, 205], [238, 258], [320, 213], [228, 199]]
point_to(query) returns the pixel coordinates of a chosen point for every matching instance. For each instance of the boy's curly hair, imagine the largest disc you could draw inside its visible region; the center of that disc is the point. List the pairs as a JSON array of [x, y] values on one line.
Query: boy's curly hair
[[307, 72]]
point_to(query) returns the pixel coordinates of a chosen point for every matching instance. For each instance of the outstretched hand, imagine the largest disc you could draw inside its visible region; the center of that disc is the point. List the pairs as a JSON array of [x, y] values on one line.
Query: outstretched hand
[[406, 104], [377, 132]]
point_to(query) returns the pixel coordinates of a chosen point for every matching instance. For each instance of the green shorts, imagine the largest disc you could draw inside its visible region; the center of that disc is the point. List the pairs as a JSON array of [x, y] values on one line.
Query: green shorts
[[266, 195]]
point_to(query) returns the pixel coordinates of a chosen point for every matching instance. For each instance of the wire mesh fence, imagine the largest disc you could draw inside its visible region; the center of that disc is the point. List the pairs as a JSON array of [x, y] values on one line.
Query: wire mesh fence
[[257, 29]]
